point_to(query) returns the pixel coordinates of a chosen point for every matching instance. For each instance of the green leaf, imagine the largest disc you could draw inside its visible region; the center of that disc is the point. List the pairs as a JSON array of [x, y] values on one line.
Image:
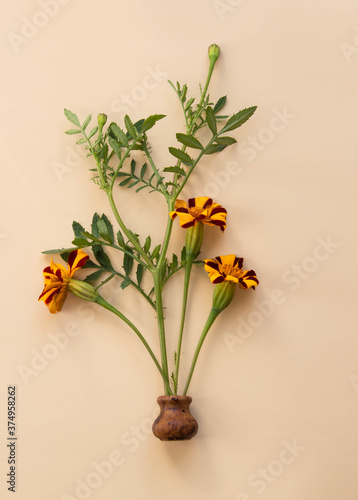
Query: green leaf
[[119, 134], [184, 157], [90, 236], [130, 127], [138, 124], [81, 141], [143, 170], [94, 227], [58, 250], [94, 276], [125, 283], [80, 242], [109, 228], [90, 265], [211, 120], [77, 229], [114, 145], [120, 240], [72, 131], [150, 122], [102, 257], [175, 170], [225, 141], [86, 122], [183, 256], [102, 229], [93, 132], [220, 104], [147, 244], [214, 148], [71, 117], [127, 263], [155, 253], [238, 119], [139, 273], [123, 183], [189, 141]]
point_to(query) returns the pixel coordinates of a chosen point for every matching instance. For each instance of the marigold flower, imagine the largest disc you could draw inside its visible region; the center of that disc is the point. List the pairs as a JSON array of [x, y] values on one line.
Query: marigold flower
[[57, 279], [201, 209], [229, 268]]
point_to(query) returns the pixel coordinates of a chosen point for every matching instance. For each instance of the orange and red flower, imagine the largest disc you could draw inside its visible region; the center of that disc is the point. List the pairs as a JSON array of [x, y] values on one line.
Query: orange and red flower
[[230, 268], [57, 280], [201, 209]]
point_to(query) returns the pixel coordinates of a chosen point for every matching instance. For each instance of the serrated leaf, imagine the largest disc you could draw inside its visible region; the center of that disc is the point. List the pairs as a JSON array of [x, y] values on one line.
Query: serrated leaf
[[220, 104], [77, 229], [102, 257], [147, 244], [94, 276], [119, 134], [225, 141], [127, 263], [125, 283], [184, 157], [175, 170], [114, 145], [90, 236], [90, 265], [72, 117], [103, 231], [238, 119], [130, 127], [150, 122], [189, 141], [94, 227], [86, 122], [211, 120], [120, 239], [214, 148], [72, 131], [109, 227], [139, 273], [80, 242], [58, 250], [138, 124]]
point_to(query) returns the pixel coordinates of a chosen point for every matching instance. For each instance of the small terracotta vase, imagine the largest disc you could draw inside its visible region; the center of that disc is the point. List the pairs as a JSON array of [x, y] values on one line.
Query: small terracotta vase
[[174, 422]]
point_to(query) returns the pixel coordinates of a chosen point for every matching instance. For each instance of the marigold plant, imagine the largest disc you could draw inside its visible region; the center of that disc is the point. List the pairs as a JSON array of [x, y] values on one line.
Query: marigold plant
[[111, 148]]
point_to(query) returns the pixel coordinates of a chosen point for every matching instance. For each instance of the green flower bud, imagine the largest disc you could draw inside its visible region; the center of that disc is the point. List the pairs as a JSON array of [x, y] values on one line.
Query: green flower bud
[[193, 240], [83, 290], [102, 119], [214, 52], [223, 295]]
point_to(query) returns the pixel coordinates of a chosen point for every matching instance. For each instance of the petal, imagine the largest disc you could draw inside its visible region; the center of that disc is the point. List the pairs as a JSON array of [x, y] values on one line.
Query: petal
[[186, 220], [201, 202], [248, 280], [227, 260], [180, 204], [76, 260]]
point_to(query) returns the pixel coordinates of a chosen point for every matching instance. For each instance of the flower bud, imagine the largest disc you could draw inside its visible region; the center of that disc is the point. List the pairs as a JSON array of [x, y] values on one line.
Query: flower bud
[[193, 240], [223, 295], [214, 52], [102, 119], [83, 290]]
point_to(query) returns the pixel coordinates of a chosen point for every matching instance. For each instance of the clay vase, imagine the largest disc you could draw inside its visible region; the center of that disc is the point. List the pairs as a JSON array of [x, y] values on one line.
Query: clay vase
[[174, 423]]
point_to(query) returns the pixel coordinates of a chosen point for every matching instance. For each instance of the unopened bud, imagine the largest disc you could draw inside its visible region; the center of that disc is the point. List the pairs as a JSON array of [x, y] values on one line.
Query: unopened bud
[[214, 52]]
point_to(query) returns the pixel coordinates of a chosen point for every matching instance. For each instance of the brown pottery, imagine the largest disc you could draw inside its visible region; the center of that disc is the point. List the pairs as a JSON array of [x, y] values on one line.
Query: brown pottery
[[174, 422]]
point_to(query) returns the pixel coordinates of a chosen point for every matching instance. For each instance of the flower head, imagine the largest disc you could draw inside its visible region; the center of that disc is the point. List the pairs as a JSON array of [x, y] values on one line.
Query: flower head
[[201, 209], [229, 268], [57, 280]]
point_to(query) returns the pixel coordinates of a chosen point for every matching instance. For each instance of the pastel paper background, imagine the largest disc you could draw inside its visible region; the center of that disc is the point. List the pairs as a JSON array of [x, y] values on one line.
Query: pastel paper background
[[276, 386]]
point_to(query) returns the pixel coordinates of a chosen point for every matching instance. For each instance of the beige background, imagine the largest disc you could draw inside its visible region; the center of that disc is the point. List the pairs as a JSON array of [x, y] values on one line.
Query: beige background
[[276, 389]]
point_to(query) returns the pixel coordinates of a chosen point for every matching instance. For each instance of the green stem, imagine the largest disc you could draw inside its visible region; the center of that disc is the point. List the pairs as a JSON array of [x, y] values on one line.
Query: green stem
[[102, 302], [156, 171], [126, 231], [214, 313], [161, 329], [188, 267]]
